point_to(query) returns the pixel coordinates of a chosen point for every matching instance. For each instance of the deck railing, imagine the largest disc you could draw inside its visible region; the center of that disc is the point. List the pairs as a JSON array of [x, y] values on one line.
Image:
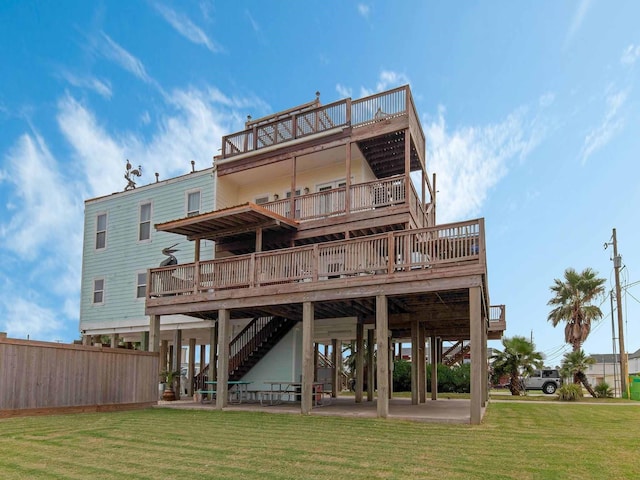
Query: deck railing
[[357, 113], [384, 254], [383, 192]]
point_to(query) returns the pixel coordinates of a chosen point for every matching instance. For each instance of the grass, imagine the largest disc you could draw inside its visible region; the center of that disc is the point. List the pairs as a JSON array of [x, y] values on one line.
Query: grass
[[524, 440]]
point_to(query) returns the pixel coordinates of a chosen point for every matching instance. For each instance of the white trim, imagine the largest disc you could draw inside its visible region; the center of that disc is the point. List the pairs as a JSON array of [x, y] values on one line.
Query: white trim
[[186, 202], [142, 203], [94, 290], [96, 231], [137, 284]]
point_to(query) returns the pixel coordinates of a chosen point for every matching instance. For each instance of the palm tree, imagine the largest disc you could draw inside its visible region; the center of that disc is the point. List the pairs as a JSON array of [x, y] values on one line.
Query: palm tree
[[574, 364], [572, 304], [519, 357]]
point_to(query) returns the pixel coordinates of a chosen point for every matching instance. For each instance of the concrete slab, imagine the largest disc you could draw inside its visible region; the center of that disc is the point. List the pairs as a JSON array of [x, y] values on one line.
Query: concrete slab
[[433, 411]]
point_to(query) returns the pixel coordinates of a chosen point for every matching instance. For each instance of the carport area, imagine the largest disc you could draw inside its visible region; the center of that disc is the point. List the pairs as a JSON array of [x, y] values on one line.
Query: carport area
[[432, 411]]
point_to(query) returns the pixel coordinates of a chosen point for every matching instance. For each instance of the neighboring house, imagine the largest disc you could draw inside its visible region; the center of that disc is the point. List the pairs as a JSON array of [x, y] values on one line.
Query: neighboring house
[[121, 243], [325, 231], [607, 369]]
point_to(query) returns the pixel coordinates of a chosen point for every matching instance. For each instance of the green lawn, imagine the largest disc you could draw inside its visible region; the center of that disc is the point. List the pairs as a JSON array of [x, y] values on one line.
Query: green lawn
[[524, 440]]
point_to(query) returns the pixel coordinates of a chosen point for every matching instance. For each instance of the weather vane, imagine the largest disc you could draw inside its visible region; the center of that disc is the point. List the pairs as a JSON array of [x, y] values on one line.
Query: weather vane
[[130, 174]]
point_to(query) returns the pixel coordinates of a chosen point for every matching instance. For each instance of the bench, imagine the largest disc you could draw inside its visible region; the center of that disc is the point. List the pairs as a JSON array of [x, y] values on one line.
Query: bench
[[204, 393], [273, 396]]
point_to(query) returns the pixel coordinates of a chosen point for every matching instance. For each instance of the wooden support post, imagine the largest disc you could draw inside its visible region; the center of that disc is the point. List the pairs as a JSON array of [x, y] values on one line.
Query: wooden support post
[[154, 334], [477, 362], [485, 382], [223, 359], [164, 355], [202, 363], [347, 187], [307, 357], [191, 368], [335, 371], [339, 366], [359, 360], [144, 341], [86, 340], [196, 253], [414, 362], [213, 353], [382, 336], [370, 362], [258, 240], [316, 356], [177, 361], [422, 366], [115, 338], [433, 343], [390, 356]]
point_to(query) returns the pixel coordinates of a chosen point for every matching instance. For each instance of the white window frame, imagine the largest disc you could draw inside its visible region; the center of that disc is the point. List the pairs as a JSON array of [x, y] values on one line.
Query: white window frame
[[192, 213], [140, 222], [138, 284], [106, 228], [95, 290], [262, 199]]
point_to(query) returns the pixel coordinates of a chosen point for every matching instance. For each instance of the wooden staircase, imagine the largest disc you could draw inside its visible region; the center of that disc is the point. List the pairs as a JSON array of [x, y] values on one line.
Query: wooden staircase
[[456, 353], [250, 345]]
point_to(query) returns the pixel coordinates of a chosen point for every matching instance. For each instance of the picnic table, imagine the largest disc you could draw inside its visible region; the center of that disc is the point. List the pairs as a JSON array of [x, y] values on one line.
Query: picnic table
[[238, 390], [290, 390]]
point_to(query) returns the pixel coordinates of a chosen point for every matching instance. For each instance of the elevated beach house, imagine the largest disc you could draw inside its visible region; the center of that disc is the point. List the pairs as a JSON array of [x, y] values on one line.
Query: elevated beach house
[[322, 229]]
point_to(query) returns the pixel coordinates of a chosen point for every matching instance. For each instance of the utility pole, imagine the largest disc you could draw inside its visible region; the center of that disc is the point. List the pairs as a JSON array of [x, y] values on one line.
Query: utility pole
[[613, 342], [624, 368]]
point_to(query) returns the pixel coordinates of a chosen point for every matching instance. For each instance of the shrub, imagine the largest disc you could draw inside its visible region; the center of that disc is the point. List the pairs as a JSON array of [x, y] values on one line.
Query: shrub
[[401, 376], [604, 390], [570, 392]]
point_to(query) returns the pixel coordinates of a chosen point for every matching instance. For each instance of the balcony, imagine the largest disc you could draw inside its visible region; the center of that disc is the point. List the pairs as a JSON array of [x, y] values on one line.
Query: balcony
[[385, 192], [424, 252], [314, 119]]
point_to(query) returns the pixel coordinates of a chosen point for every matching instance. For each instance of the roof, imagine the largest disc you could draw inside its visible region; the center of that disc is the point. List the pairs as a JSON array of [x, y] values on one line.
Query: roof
[[232, 222]]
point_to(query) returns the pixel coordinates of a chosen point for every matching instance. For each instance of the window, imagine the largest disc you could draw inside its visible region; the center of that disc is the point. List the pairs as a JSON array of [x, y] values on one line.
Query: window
[[141, 286], [193, 203], [98, 291], [262, 200], [145, 222], [101, 231]]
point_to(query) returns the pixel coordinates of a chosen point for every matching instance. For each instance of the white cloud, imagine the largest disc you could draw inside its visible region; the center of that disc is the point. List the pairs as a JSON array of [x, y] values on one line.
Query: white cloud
[[576, 21], [254, 24], [388, 79], [469, 161], [185, 27], [122, 57], [612, 122], [23, 318], [145, 118], [364, 10], [343, 91], [44, 205], [190, 129], [630, 55], [101, 87]]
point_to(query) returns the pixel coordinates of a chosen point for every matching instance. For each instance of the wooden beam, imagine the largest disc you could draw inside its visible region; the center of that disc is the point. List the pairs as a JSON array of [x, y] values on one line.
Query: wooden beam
[[213, 352], [414, 362], [223, 359], [478, 364], [370, 362], [382, 335], [154, 333], [359, 360], [191, 366], [422, 373], [335, 371], [175, 364], [433, 344], [307, 358]]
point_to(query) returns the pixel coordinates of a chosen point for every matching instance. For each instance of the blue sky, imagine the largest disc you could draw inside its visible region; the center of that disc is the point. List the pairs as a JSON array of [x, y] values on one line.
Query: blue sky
[[530, 110]]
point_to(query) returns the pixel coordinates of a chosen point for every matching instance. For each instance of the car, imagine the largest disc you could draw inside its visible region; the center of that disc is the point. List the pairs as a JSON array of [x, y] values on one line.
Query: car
[[547, 380]]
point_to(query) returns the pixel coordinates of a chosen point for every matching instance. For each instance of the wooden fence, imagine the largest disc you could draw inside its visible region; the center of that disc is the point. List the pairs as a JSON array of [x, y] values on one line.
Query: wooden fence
[[43, 377]]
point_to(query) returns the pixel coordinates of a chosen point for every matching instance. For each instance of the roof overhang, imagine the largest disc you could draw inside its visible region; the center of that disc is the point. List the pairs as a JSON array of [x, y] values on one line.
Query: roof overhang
[[230, 222]]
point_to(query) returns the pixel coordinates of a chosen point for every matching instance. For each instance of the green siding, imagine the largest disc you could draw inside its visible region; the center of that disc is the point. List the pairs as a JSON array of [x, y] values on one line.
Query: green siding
[[124, 256]]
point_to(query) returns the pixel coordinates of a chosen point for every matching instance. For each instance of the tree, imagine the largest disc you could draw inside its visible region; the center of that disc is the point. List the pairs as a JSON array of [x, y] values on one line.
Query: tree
[[572, 304], [574, 364], [518, 358]]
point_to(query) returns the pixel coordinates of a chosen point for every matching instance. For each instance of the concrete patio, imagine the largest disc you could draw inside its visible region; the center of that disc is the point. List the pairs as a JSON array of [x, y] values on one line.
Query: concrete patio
[[433, 411]]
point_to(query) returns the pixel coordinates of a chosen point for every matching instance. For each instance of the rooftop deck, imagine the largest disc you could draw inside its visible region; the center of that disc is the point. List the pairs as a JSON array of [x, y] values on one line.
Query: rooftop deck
[[314, 119]]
